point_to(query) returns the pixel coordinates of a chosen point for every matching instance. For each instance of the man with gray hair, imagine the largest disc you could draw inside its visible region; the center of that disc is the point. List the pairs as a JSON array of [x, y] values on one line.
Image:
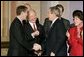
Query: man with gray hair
[[56, 40]]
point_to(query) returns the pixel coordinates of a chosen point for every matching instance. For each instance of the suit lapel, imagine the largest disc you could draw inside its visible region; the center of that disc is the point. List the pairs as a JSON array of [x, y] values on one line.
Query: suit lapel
[[30, 28], [52, 27], [38, 28]]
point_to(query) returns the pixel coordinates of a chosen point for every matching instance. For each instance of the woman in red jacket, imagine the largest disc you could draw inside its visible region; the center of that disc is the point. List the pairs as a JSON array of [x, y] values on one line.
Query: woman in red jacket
[[75, 37]]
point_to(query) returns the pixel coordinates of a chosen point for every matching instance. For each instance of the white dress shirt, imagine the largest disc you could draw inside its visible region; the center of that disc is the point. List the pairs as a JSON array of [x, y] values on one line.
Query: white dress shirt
[[53, 21], [32, 27]]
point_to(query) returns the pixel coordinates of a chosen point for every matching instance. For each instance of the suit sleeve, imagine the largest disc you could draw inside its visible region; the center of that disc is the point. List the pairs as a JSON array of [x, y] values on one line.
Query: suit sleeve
[[42, 37], [67, 24], [16, 30]]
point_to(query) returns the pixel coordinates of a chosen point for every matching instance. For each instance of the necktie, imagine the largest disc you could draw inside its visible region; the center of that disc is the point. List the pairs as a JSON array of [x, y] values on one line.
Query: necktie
[[34, 28]]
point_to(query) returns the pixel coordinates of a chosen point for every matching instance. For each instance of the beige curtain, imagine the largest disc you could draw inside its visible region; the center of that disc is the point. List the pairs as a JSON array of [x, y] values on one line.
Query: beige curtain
[[7, 15]]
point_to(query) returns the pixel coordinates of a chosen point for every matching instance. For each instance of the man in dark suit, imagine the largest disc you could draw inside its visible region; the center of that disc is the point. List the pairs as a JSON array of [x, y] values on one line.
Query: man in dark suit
[[34, 33], [47, 22], [56, 41], [46, 25], [18, 45]]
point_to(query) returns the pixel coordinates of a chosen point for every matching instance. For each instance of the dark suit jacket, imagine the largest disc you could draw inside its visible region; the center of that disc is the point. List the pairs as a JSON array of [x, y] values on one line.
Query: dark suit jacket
[[66, 23], [56, 41], [18, 44], [38, 39], [46, 25]]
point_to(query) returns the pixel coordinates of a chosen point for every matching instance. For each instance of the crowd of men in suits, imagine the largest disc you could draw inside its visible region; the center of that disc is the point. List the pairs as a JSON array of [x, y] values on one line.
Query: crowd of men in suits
[[29, 38]]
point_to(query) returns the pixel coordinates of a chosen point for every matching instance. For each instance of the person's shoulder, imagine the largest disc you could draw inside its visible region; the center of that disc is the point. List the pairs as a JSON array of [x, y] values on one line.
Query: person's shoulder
[[46, 19], [16, 20], [73, 28], [72, 25], [15, 23], [65, 19]]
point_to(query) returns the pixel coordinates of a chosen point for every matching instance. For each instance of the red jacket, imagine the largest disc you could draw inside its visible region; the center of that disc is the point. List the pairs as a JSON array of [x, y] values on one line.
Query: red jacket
[[75, 43]]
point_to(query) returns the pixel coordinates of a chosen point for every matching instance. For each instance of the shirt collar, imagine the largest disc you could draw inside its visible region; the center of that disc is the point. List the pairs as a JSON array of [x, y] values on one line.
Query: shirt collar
[[54, 20]]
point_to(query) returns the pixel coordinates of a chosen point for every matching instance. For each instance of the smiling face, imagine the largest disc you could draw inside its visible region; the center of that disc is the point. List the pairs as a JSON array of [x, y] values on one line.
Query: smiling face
[[32, 16], [77, 21], [51, 15], [78, 17]]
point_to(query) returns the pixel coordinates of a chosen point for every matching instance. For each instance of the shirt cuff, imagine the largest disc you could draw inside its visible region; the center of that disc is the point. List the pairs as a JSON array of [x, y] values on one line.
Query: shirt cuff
[[32, 35]]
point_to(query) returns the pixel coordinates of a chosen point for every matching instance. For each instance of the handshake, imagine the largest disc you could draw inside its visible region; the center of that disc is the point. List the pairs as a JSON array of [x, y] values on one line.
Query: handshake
[[37, 49]]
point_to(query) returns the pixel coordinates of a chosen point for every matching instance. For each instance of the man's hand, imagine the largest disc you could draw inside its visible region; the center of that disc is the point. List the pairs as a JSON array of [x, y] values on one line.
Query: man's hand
[[52, 54], [37, 47], [36, 33]]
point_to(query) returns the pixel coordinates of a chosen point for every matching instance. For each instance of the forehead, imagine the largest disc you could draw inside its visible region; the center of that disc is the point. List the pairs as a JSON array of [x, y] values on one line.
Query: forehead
[[75, 16], [32, 13]]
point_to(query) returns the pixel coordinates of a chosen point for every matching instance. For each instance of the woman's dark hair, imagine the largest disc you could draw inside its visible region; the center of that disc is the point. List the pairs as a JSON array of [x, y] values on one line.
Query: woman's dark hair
[[79, 14]]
